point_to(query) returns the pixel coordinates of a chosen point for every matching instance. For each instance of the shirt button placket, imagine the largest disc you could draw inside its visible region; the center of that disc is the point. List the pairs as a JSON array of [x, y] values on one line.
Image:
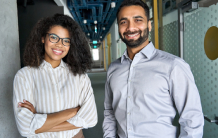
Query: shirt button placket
[[56, 89], [128, 113], [58, 95]]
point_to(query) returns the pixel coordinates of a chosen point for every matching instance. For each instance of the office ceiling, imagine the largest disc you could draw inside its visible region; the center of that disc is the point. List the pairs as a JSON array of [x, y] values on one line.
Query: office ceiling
[[94, 16]]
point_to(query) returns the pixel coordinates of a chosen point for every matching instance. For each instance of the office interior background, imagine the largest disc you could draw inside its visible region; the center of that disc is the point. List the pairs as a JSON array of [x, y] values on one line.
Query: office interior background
[[185, 28]]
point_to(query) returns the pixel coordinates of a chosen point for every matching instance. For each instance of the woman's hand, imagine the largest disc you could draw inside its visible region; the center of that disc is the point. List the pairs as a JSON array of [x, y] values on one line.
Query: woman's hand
[[28, 105]]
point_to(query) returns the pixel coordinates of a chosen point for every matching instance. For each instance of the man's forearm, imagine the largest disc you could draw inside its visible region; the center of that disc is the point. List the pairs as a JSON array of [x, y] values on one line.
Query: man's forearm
[[62, 127], [56, 119]]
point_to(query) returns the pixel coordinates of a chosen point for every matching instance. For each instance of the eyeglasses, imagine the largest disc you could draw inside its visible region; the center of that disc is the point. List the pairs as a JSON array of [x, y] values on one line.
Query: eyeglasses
[[55, 39]]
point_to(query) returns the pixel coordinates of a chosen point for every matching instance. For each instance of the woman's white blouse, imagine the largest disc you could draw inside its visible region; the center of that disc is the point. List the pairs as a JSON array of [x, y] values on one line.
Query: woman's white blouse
[[51, 90]]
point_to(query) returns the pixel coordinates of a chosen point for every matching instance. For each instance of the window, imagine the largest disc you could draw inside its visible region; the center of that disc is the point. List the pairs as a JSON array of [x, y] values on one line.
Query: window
[[95, 54]]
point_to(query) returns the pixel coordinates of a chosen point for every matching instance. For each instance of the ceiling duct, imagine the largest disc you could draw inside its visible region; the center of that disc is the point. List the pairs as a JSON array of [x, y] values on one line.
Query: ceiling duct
[[95, 46], [102, 12]]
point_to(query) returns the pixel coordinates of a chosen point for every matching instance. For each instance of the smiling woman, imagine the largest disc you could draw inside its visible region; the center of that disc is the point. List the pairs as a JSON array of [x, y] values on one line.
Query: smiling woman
[[55, 49], [53, 96]]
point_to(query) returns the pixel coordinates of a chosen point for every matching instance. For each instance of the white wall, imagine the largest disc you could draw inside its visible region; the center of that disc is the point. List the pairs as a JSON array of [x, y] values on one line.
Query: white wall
[[117, 47], [170, 17], [114, 38], [98, 63], [9, 65], [64, 4]]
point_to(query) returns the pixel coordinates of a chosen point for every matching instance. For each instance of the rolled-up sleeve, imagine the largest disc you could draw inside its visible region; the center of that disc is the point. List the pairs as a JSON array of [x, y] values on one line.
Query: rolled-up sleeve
[[87, 114], [187, 100], [26, 121], [109, 123]]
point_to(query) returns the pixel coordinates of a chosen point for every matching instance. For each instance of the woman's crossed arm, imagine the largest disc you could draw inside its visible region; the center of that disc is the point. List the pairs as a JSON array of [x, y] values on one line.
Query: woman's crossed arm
[[55, 122]]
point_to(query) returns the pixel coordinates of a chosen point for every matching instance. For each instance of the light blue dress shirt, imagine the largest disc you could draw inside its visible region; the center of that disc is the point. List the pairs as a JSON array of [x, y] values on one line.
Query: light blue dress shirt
[[143, 94]]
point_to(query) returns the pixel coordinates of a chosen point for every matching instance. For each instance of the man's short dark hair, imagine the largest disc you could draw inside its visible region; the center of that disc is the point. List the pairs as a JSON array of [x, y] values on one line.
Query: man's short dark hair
[[134, 3]]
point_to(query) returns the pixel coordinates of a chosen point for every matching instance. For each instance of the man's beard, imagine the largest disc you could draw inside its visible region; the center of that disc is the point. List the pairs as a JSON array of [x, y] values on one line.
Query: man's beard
[[135, 43]]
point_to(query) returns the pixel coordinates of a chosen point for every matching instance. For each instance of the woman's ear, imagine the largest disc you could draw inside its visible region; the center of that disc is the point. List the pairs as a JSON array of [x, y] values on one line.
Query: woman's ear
[[43, 40]]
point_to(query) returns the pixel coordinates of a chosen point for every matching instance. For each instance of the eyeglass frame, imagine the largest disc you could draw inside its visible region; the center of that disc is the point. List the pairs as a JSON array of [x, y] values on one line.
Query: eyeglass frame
[[58, 38]]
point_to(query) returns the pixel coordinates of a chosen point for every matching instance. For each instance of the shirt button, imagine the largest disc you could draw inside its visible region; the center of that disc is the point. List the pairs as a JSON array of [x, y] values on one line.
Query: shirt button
[[129, 97], [128, 113], [129, 129]]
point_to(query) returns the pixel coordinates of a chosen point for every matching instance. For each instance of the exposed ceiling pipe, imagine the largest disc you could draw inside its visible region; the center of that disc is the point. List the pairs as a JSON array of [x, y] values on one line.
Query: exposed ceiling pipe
[[110, 18], [107, 9], [89, 27], [103, 15], [86, 30], [86, 7], [90, 30], [93, 35], [100, 10], [98, 34], [89, 21], [94, 13], [69, 3], [92, 8], [109, 15], [73, 13], [83, 2], [78, 15]]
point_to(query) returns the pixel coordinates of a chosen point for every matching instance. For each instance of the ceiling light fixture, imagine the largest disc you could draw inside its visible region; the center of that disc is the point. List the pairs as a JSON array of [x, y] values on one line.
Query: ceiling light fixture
[[96, 29], [85, 21], [95, 22], [113, 4]]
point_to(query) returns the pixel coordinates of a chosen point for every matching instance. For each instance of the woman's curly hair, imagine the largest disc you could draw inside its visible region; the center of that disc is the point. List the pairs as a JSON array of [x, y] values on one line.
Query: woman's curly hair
[[79, 58]]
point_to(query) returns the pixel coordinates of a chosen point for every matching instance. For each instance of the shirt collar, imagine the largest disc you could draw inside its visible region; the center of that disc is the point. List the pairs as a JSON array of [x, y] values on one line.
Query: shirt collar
[[125, 55], [147, 51], [47, 64]]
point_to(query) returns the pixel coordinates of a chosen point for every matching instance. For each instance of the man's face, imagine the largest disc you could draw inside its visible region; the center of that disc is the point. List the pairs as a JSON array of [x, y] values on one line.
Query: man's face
[[133, 25]]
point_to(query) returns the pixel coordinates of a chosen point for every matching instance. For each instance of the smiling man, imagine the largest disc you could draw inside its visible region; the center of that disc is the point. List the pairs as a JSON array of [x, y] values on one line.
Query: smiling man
[[146, 86]]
